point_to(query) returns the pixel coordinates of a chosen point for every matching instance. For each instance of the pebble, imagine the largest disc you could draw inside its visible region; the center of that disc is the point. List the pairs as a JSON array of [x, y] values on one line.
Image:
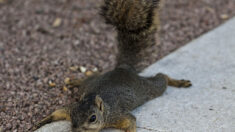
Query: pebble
[[52, 84], [224, 16], [60, 102], [83, 69], [74, 68], [65, 89], [95, 69], [8, 126], [89, 73], [67, 80], [57, 22]]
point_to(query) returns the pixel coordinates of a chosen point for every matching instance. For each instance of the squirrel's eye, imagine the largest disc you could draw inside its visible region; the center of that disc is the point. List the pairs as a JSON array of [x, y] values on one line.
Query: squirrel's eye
[[93, 118]]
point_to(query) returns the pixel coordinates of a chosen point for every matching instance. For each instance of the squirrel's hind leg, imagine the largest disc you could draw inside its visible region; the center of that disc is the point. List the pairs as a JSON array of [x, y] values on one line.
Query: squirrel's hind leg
[[178, 83], [60, 114], [170, 81]]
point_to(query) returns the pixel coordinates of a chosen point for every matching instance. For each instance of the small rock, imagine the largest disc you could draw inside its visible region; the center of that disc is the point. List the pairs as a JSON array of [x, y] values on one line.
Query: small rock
[[95, 69], [74, 68], [224, 16], [57, 22], [83, 69], [210, 9], [60, 102], [65, 89], [67, 80], [8, 126], [52, 84], [77, 42], [89, 73]]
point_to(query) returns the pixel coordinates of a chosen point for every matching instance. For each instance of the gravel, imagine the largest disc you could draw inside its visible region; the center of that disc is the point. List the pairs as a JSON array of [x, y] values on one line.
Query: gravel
[[40, 40]]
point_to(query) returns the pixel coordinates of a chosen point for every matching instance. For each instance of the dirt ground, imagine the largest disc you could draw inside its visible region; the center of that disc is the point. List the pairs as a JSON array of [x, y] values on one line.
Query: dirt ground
[[44, 41]]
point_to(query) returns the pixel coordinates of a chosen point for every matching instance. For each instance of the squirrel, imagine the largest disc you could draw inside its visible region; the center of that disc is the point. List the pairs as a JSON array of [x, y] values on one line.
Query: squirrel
[[107, 99]]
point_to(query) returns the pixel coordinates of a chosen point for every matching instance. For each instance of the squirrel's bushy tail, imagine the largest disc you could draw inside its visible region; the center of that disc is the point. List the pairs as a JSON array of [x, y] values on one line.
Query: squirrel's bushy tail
[[136, 22]]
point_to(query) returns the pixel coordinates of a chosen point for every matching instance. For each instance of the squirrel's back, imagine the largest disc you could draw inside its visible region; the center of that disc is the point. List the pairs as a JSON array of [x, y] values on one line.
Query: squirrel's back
[[122, 89], [136, 22]]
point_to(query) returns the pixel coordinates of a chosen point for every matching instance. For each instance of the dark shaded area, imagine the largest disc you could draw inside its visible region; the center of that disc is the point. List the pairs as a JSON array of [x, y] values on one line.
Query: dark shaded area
[[33, 52]]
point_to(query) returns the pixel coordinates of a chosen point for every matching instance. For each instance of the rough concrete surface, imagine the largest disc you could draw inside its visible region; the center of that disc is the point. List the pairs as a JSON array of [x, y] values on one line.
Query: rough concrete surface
[[208, 106]]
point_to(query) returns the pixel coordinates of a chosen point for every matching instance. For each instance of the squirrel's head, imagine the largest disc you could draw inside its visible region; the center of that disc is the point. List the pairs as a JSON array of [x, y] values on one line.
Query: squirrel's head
[[87, 115]]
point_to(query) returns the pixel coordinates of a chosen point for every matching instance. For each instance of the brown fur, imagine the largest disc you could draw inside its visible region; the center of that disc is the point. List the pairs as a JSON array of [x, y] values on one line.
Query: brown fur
[[125, 122], [106, 100], [136, 22], [60, 114]]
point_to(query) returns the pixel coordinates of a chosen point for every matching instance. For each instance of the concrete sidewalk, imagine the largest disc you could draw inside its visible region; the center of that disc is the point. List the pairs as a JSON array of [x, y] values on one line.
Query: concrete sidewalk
[[208, 106]]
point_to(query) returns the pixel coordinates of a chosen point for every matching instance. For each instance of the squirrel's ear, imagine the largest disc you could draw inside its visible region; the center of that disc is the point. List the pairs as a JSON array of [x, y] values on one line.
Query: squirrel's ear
[[99, 103]]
